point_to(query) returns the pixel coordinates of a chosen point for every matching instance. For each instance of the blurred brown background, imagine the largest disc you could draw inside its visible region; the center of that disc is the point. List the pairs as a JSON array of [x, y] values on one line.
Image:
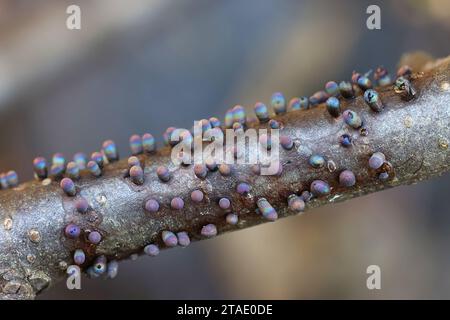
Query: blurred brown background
[[144, 65]]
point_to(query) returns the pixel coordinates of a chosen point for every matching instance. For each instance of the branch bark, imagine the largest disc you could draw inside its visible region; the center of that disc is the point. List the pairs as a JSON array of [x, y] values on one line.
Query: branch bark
[[413, 135]]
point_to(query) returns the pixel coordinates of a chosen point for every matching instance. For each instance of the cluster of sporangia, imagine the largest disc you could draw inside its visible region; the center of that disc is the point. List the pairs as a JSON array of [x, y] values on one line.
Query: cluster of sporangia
[[235, 118]]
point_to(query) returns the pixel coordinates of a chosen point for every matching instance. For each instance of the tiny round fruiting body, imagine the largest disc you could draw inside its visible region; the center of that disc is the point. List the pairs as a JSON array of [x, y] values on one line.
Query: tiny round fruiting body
[[239, 115], [232, 218], [72, 170], [177, 203], [209, 230], [376, 160], [318, 98], [169, 238], [352, 119], [94, 237], [346, 90], [243, 188], [286, 142], [133, 161], [333, 107], [278, 103], [81, 160], [225, 169], [58, 159], [296, 203], [197, 196], [347, 178], [94, 168], [40, 167], [274, 124], [215, 123], [183, 239], [332, 88], [404, 87], [79, 257], [110, 150], [12, 178], [163, 173], [137, 175], [320, 188], [152, 205], [345, 140], [200, 170], [373, 100], [136, 144], [81, 205], [68, 187], [382, 77], [266, 209], [56, 171], [151, 250], [224, 203], [100, 265], [72, 231], [317, 161]]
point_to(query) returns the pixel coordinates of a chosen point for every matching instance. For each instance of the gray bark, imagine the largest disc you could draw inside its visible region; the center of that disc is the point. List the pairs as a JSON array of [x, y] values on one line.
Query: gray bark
[[414, 136]]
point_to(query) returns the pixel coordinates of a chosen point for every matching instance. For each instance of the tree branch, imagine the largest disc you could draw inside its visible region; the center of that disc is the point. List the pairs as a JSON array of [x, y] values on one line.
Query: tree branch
[[413, 135]]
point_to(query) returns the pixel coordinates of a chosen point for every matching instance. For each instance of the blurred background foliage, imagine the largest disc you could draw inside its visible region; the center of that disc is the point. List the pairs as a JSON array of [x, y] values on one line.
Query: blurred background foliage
[[144, 65]]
